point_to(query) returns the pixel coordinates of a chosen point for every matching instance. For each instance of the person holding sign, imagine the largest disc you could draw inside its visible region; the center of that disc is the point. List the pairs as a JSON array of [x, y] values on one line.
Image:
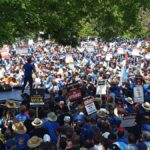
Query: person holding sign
[[29, 68]]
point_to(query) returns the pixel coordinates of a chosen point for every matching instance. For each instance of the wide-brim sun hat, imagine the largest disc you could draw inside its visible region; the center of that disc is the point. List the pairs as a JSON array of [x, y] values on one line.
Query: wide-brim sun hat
[[19, 128], [51, 116], [129, 100], [37, 122], [34, 142], [101, 113], [146, 106], [10, 104]]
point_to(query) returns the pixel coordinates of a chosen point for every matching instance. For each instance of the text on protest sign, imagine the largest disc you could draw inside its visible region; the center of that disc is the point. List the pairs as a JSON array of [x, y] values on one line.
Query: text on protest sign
[[128, 121], [89, 105], [101, 87], [138, 94], [37, 96]]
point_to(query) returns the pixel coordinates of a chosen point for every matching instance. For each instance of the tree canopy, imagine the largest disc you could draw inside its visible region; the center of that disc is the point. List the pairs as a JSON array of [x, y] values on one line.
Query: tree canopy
[[67, 20]]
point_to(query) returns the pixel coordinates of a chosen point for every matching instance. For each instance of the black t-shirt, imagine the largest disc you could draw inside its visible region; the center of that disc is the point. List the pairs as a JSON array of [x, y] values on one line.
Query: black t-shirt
[[29, 126], [39, 132]]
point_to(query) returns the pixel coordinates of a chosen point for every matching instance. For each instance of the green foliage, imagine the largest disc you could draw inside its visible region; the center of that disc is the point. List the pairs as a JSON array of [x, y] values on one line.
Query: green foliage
[[67, 20]]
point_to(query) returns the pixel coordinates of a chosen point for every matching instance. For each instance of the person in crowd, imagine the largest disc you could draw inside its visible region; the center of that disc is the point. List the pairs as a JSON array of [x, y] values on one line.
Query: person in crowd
[[52, 125], [22, 116], [90, 97], [29, 68]]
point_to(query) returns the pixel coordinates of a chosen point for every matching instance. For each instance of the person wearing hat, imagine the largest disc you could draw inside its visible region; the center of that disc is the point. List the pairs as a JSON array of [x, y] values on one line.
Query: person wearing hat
[[129, 105], [10, 104], [34, 142], [21, 137], [38, 129], [52, 125]]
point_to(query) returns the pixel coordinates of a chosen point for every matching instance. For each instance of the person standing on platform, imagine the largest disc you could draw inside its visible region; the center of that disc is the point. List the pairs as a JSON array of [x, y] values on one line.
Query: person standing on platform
[[29, 68]]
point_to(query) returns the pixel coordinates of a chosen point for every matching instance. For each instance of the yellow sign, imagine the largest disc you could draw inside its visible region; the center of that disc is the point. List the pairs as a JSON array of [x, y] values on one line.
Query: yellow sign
[[36, 99]]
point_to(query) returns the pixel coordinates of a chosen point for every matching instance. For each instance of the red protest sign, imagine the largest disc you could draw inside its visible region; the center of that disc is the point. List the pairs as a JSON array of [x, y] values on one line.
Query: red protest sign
[[74, 95]]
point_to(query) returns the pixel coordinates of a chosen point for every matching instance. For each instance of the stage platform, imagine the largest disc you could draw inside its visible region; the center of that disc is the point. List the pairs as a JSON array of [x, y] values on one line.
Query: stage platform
[[15, 95]]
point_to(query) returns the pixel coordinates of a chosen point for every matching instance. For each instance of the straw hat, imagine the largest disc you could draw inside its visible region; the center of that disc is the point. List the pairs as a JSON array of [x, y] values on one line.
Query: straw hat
[[37, 122], [19, 128], [129, 100], [146, 106], [51, 116], [34, 142], [10, 104], [102, 113]]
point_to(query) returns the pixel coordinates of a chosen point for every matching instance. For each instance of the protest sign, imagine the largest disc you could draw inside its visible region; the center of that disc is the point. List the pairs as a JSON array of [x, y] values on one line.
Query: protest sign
[[147, 56], [81, 49], [108, 56], [70, 61], [138, 94], [84, 61], [135, 52], [22, 51], [128, 121], [101, 87], [74, 95], [37, 96], [120, 51], [74, 92], [89, 105], [5, 52], [90, 49], [69, 58]]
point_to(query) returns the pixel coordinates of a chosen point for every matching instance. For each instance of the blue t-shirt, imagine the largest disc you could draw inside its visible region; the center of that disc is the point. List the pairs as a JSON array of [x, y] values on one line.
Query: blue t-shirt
[[51, 126], [22, 117], [28, 70], [21, 140]]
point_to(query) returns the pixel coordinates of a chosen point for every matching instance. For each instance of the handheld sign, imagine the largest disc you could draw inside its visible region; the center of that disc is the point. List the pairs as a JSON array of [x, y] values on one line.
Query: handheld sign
[[74, 92], [37, 97], [101, 87], [89, 105], [128, 121], [138, 94]]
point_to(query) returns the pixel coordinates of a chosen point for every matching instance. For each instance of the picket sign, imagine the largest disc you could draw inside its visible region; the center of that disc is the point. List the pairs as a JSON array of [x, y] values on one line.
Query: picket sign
[[108, 56], [138, 94], [120, 51], [128, 121], [74, 92], [101, 87], [89, 105]]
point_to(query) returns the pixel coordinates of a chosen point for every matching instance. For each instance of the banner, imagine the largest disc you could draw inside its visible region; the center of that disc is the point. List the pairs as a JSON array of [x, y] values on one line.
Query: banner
[[89, 105], [101, 87], [138, 94]]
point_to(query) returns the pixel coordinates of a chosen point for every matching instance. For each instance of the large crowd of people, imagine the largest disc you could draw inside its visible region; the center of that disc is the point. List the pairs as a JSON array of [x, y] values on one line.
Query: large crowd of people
[[99, 97]]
